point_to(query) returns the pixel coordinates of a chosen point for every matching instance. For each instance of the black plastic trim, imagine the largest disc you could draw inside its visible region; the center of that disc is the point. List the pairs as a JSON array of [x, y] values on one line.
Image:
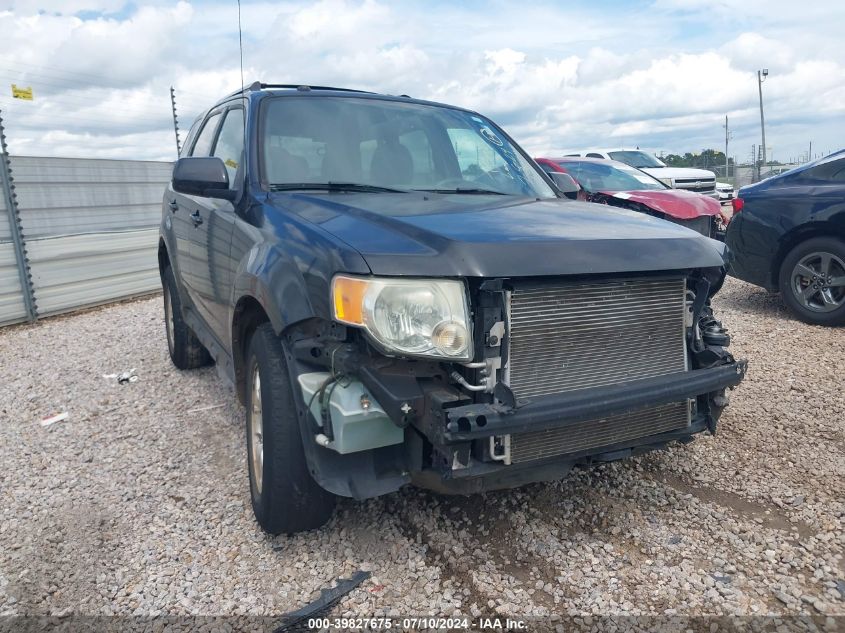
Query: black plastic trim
[[586, 404]]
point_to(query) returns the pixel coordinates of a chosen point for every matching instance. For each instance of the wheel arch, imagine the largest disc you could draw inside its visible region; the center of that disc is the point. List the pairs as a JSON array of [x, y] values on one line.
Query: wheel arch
[[163, 256], [800, 234], [248, 314]]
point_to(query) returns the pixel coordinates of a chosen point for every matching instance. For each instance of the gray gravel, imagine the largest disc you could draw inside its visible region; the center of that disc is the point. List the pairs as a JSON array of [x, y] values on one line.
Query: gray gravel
[[138, 505]]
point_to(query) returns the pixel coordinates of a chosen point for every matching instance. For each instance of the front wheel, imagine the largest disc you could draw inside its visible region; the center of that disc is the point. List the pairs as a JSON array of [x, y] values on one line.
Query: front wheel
[[285, 498], [812, 281]]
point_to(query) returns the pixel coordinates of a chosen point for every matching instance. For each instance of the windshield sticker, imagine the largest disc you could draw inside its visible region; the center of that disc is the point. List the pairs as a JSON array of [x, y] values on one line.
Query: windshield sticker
[[488, 134], [512, 168]]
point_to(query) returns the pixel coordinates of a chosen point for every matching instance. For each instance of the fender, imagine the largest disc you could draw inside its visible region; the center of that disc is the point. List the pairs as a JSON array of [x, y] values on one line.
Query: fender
[[290, 290], [286, 263], [277, 284]]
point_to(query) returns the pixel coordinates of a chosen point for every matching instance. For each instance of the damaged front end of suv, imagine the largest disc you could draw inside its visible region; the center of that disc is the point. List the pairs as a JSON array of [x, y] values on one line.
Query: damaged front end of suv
[[505, 381]]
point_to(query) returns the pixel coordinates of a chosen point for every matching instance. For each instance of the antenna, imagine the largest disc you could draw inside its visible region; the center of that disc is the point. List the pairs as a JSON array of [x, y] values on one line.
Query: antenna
[[243, 87], [241, 47]]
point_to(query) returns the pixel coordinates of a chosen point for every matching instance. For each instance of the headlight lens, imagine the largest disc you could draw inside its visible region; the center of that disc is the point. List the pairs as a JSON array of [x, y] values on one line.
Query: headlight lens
[[418, 317]]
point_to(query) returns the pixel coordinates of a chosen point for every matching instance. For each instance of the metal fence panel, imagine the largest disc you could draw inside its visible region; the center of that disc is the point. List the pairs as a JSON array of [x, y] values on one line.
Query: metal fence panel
[[70, 196], [82, 270], [12, 306], [91, 231]]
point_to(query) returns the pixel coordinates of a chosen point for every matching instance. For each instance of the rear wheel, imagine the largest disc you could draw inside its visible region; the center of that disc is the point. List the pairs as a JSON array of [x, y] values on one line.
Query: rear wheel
[[285, 498], [186, 351], [812, 281]]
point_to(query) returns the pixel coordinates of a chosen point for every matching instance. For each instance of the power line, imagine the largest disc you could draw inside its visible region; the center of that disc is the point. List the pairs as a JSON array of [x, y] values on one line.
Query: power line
[[142, 101], [62, 73]]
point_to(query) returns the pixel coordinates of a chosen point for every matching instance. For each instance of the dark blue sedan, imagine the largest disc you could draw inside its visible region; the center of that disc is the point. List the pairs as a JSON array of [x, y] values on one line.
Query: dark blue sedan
[[788, 234]]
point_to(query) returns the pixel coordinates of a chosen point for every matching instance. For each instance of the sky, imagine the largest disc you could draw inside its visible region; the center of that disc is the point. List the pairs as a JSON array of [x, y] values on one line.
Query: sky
[[657, 74]]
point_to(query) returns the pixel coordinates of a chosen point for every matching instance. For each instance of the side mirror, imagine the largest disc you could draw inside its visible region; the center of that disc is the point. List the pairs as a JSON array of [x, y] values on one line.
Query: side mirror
[[202, 176], [565, 184]]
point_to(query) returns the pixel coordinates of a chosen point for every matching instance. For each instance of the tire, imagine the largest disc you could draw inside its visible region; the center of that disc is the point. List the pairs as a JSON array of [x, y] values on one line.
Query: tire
[[285, 498], [812, 281], [186, 351]]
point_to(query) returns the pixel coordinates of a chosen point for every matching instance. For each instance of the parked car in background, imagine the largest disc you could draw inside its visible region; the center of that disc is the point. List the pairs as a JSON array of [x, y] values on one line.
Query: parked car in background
[[788, 234], [617, 184], [696, 180], [400, 295], [725, 191]]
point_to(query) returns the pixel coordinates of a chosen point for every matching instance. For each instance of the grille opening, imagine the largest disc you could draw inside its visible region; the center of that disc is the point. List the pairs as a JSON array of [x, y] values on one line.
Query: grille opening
[[604, 432], [566, 336]]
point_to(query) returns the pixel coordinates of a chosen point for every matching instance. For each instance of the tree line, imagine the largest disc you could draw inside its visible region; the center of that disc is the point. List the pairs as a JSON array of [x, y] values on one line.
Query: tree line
[[707, 159]]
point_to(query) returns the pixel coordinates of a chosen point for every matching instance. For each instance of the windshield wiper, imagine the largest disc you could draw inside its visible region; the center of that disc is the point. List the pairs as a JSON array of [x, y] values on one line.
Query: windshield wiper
[[333, 186], [468, 190]]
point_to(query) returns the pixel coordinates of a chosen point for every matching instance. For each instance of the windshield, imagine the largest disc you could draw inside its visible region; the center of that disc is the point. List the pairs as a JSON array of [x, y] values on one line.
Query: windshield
[[636, 159], [373, 143], [605, 176]]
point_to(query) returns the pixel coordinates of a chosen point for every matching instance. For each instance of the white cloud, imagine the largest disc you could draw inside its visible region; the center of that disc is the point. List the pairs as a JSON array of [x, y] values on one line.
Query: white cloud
[[556, 76]]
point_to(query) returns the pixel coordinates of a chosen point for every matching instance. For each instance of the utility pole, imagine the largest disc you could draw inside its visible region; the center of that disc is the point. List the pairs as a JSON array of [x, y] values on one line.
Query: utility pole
[[727, 137], [755, 165], [175, 120], [761, 77], [810, 152]]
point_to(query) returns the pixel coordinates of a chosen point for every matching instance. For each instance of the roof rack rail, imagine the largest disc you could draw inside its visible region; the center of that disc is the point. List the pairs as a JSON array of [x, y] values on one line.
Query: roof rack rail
[[257, 85]]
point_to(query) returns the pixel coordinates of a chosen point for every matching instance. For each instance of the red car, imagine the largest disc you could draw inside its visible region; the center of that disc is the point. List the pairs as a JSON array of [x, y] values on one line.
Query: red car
[[620, 185]]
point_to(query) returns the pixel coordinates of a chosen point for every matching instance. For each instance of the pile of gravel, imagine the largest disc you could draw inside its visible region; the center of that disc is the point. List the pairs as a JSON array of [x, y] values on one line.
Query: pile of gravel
[[138, 502]]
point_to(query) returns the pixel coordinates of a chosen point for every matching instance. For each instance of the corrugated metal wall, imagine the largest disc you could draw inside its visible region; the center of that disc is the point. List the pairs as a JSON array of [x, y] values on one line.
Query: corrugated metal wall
[[90, 226], [12, 307]]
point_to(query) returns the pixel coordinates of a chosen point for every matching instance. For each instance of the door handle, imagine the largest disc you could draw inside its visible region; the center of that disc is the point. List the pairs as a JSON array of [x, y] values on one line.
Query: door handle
[[196, 218], [174, 206]]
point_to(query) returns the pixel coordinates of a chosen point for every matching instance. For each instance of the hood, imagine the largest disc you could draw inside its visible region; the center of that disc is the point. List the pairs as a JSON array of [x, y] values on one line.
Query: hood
[[681, 205], [680, 172], [499, 236]]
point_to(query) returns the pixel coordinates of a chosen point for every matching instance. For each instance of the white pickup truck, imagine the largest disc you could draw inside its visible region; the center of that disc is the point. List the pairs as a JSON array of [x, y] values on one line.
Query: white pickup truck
[[697, 180]]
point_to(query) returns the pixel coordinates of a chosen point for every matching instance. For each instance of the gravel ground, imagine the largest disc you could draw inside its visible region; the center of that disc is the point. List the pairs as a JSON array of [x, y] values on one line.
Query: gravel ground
[[138, 503]]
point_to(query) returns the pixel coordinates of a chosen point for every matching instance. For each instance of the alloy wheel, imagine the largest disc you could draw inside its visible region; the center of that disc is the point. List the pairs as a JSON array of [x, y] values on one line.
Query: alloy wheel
[[168, 319], [818, 282], [256, 431]]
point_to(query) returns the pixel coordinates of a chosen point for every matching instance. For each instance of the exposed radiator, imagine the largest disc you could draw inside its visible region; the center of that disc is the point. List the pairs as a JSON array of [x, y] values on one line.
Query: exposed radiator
[[568, 336], [598, 433]]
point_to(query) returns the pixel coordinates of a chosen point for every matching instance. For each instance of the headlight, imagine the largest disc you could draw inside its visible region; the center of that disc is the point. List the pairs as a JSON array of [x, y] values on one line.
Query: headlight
[[668, 182], [417, 317]]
